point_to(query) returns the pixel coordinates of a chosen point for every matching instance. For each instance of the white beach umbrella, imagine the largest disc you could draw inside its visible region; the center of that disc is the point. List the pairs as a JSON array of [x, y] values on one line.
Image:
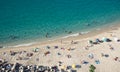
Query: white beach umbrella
[[115, 38]]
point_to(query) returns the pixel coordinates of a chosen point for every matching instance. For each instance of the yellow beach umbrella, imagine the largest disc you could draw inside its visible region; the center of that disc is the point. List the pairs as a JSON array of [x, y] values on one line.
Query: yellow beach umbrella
[[73, 66], [63, 67]]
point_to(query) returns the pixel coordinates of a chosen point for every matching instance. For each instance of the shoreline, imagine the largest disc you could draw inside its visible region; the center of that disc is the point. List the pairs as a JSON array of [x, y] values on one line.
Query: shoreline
[[83, 35], [66, 38]]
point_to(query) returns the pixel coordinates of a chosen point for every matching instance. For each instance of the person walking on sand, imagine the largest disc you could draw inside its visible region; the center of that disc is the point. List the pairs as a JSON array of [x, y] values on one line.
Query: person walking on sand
[[72, 42], [61, 41]]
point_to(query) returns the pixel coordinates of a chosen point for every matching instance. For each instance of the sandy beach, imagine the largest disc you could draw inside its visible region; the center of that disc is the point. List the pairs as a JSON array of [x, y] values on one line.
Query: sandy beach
[[71, 51]]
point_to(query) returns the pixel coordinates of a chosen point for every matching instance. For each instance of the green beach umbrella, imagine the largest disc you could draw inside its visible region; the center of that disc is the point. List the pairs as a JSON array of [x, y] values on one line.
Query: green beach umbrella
[[90, 41]]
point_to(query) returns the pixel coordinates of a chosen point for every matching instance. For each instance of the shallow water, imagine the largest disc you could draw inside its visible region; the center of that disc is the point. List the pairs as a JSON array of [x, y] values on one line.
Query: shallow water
[[26, 21]]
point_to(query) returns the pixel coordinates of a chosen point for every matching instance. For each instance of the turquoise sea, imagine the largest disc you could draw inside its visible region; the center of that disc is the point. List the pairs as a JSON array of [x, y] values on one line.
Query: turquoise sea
[[25, 21]]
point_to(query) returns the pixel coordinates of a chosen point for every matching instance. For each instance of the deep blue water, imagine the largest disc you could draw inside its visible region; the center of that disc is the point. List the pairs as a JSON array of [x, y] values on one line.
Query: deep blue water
[[30, 20]]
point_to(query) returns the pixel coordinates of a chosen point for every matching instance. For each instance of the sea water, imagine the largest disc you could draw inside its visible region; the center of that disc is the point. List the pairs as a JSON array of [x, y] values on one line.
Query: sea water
[[26, 21]]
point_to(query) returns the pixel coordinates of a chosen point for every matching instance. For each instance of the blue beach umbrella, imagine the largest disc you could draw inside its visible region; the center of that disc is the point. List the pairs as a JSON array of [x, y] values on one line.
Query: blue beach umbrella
[[97, 61], [97, 40]]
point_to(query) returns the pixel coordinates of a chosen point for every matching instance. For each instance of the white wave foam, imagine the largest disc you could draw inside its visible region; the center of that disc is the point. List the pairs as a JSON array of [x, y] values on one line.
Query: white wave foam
[[77, 34], [71, 35], [29, 44], [84, 32], [20, 45]]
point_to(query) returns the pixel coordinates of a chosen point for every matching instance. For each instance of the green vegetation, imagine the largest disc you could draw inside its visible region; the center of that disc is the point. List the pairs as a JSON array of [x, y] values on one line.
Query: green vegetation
[[92, 68]]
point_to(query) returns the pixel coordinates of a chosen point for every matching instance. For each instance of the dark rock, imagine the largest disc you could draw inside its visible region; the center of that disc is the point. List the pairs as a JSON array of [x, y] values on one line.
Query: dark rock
[[65, 31], [88, 24], [13, 37], [69, 32]]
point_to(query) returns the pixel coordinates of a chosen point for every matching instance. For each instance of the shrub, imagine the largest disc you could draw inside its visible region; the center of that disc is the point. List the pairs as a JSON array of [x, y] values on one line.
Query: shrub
[[92, 68]]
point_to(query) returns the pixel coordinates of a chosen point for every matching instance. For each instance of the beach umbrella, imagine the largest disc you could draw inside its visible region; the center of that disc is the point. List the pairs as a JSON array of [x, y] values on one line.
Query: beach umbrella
[[36, 49], [8, 66], [63, 67], [91, 56], [97, 40], [116, 39], [69, 67], [106, 39], [73, 66], [116, 58], [97, 61], [48, 47], [59, 53], [21, 68], [41, 68], [90, 41]]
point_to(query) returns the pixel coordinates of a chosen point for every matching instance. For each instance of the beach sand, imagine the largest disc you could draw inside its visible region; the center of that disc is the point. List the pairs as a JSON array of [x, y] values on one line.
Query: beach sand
[[72, 50]]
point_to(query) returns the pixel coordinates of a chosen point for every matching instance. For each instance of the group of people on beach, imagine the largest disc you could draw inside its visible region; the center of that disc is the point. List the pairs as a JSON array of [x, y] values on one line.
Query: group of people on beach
[[6, 66]]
